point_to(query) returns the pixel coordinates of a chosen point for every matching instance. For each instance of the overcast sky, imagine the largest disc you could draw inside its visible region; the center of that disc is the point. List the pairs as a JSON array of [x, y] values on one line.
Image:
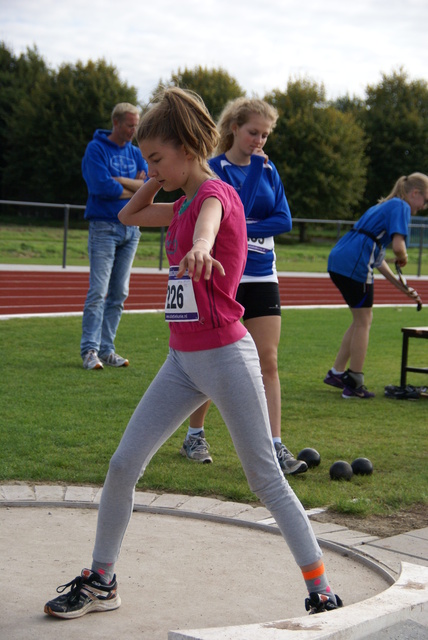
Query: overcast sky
[[261, 43]]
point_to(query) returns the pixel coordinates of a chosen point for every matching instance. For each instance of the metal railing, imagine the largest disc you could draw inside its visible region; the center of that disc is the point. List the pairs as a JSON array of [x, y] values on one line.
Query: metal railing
[[419, 227], [65, 207]]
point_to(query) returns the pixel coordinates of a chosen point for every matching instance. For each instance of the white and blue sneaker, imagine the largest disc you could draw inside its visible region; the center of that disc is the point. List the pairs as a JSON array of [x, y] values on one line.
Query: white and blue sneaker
[[87, 593]]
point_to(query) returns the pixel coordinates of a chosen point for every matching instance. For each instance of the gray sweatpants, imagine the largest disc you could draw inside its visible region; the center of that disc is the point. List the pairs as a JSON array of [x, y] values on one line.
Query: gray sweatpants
[[231, 377]]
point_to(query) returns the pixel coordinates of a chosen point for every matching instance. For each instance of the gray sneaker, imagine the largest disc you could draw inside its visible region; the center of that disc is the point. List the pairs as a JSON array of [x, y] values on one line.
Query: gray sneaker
[[196, 448], [287, 462], [91, 360], [114, 360]]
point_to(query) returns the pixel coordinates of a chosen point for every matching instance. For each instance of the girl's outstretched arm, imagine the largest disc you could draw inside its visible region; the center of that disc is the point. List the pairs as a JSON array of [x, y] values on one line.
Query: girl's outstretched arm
[[204, 235], [141, 211]]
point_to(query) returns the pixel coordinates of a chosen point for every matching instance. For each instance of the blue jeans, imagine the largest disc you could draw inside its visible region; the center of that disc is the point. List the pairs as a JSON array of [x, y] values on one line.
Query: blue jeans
[[111, 247]]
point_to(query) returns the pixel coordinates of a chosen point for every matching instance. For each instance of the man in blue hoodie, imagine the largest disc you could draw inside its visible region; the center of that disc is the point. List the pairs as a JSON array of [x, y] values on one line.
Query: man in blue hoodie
[[113, 169]]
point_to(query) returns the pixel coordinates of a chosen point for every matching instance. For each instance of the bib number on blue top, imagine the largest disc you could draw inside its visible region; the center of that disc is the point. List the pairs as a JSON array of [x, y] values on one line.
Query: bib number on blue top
[[261, 245]]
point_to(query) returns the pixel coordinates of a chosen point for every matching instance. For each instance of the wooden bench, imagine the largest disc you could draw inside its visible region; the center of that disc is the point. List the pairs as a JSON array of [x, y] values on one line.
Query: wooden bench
[[411, 332]]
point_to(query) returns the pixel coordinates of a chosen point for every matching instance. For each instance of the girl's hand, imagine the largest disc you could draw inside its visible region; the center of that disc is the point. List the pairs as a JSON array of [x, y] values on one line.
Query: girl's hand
[[260, 152], [401, 261], [195, 260], [414, 295]]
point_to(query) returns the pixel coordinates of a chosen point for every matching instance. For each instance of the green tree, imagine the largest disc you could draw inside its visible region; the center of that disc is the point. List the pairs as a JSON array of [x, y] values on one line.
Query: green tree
[[51, 125], [354, 105], [396, 125], [17, 77], [215, 86], [318, 151]]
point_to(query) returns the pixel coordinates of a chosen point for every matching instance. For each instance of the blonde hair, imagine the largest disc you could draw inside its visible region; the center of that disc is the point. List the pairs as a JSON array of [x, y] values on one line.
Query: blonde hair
[[238, 112], [406, 184], [121, 109], [180, 117]]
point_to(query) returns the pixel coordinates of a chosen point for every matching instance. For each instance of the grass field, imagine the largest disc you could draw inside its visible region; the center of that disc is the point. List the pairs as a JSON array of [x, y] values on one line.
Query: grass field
[[44, 246], [61, 424]]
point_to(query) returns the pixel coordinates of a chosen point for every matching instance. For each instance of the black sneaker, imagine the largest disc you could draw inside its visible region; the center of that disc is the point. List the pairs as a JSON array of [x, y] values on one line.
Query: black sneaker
[[351, 388], [321, 602], [334, 379], [359, 392], [87, 593]]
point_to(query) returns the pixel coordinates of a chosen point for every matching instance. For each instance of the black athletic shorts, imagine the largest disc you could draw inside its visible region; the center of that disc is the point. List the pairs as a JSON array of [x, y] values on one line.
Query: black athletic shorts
[[357, 295], [259, 299]]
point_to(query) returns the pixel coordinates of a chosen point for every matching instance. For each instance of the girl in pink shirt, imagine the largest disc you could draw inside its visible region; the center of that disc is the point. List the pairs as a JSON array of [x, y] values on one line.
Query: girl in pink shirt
[[211, 354], [218, 322]]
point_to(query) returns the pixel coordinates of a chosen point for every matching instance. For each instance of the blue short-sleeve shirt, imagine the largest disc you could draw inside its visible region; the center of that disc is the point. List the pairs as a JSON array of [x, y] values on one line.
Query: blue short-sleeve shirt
[[356, 254]]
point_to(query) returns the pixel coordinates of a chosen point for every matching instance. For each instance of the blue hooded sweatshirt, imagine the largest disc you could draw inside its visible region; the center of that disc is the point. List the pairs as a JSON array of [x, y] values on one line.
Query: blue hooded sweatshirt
[[104, 160]]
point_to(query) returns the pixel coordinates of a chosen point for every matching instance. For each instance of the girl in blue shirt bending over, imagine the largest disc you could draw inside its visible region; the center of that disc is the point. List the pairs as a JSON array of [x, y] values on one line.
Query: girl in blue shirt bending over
[[351, 264]]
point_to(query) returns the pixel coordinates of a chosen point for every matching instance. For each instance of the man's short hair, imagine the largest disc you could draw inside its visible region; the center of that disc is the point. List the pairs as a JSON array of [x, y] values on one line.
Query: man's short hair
[[121, 109]]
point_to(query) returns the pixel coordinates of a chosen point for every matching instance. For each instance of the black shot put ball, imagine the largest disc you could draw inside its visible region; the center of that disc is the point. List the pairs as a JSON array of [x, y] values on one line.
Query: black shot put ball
[[362, 467], [310, 456], [341, 470]]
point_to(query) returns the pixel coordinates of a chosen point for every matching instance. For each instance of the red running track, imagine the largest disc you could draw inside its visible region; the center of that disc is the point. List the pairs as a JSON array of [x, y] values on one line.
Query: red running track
[[28, 292]]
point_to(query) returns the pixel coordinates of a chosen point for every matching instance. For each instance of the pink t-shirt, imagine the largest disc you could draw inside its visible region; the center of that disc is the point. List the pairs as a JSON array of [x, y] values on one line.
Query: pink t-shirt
[[219, 312]]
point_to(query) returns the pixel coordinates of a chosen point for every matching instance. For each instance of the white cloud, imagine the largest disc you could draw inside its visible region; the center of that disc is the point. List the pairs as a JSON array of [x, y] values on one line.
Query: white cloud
[[261, 44]]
